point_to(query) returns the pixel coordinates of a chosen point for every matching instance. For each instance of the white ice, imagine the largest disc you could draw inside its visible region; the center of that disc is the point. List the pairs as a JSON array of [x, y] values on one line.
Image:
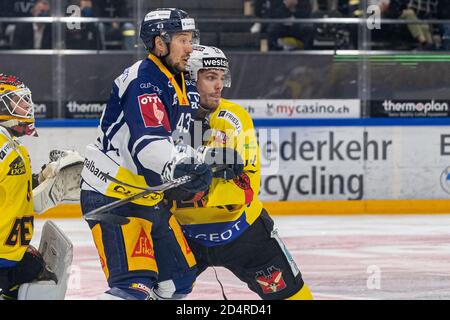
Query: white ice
[[340, 257]]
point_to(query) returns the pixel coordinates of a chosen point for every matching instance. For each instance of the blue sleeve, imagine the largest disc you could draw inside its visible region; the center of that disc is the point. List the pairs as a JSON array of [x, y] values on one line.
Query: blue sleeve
[[148, 120]]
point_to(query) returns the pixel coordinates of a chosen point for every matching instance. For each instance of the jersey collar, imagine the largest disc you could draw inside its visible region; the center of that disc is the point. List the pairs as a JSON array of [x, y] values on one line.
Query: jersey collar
[[181, 92]]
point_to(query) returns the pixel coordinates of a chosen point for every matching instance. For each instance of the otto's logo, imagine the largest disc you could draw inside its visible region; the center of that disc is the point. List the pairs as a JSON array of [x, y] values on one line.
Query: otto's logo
[[17, 167], [445, 180], [271, 281], [153, 112], [220, 137]]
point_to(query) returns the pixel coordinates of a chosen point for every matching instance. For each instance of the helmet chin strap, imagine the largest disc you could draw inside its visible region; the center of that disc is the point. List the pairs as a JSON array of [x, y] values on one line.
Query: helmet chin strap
[[164, 61]]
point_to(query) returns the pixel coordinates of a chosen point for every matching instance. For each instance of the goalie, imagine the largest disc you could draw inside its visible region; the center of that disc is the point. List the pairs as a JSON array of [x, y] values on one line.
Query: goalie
[[25, 272]]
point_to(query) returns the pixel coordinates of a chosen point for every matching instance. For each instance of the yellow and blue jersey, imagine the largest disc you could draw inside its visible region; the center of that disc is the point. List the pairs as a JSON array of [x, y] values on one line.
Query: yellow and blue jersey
[[16, 201], [134, 144], [230, 206]]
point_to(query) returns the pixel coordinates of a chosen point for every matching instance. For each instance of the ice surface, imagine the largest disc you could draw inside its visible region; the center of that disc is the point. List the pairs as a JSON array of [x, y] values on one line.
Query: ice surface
[[340, 257]]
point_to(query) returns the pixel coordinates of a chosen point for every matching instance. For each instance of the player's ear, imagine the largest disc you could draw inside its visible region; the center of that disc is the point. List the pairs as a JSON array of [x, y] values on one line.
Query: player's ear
[[160, 47]]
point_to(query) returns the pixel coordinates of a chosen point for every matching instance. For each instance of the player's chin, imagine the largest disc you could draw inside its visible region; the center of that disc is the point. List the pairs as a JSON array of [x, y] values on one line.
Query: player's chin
[[182, 66], [213, 103]]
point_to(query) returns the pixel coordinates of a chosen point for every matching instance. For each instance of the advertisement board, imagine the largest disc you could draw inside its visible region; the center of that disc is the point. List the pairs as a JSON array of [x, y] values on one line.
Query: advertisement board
[[324, 163], [302, 109]]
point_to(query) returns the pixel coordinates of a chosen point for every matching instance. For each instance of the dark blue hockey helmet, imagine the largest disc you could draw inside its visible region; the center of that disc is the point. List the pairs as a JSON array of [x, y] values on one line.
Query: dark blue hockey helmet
[[163, 22]]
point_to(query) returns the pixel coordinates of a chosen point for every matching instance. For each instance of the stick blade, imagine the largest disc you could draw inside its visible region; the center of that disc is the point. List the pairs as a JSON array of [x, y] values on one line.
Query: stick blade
[[107, 218]]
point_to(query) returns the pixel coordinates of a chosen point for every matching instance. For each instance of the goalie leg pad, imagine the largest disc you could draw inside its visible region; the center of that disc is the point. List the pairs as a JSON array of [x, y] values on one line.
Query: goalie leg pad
[[57, 252]]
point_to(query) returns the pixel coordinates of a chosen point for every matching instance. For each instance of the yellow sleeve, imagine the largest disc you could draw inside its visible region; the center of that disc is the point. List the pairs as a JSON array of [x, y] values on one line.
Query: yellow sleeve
[[5, 149], [232, 127]]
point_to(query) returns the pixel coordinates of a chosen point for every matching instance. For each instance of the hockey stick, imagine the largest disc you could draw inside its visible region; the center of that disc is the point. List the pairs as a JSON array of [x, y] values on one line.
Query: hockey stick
[[101, 214], [112, 179], [214, 168]]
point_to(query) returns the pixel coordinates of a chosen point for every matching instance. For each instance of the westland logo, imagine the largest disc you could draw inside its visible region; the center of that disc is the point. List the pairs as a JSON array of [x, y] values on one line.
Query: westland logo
[[445, 180], [215, 62]]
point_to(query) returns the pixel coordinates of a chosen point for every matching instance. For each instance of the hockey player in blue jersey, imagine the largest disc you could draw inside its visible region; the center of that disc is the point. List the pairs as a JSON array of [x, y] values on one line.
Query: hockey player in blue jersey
[[149, 103]]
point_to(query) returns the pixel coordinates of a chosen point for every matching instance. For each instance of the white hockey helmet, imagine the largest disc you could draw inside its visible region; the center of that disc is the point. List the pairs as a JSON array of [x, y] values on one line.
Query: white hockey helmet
[[204, 57]]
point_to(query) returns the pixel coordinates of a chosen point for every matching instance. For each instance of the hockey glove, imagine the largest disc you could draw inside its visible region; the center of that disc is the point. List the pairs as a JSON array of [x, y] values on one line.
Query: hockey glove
[[185, 162], [227, 160], [201, 176]]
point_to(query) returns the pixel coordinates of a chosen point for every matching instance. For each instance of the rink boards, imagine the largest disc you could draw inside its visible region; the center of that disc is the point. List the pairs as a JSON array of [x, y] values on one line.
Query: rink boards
[[323, 166]]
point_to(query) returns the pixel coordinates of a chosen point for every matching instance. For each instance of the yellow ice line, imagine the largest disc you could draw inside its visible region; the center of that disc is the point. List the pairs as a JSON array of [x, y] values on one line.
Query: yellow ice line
[[331, 207]]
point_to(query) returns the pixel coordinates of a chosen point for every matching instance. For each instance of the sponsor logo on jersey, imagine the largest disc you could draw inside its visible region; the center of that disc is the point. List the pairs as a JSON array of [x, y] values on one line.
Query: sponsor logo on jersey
[[243, 182], [215, 62], [220, 137], [90, 165], [143, 247], [231, 118], [212, 234], [149, 85], [142, 288], [17, 167], [153, 111], [5, 150], [127, 192], [124, 75], [271, 280], [194, 98]]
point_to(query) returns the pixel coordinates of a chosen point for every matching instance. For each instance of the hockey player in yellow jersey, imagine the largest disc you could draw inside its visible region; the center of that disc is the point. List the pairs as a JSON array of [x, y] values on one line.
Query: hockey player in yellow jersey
[[228, 226], [20, 263]]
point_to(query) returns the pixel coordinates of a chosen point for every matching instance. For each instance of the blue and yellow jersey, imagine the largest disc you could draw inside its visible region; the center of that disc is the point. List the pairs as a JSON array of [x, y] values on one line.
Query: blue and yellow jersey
[[16, 201], [230, 206], [134, 144]]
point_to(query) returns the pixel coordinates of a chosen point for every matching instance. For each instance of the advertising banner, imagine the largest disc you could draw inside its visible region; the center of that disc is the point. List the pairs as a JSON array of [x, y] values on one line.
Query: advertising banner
[[324, 163], [302, 109], [355, 163], [409, 108]]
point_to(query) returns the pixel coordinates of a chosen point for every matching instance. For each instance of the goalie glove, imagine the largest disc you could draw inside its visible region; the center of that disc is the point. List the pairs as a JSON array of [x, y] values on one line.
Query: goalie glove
[[59, 180]]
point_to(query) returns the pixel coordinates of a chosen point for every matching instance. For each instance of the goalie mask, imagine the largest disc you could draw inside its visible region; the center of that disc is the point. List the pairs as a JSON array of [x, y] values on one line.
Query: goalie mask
[[203, 57], [16, 106]]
